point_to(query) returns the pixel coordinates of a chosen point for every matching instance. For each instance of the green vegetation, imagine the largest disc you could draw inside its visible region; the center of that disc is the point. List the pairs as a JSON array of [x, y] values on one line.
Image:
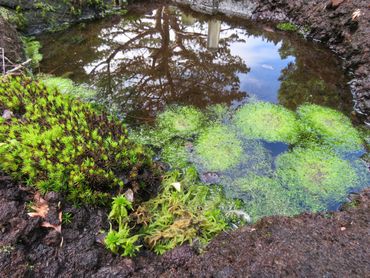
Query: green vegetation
[[218, 148], [330, 127], [183, 212], [267, 121], [183, 122], [175, 154], [32, 50], [264, 196], [287, 26], [66, 86], [57, 143], [120, 240], [316, 176]]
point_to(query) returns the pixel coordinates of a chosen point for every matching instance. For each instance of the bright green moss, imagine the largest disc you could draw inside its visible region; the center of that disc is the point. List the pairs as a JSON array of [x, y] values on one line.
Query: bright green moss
[[183, 121], [175, 154], [287, 26], [264, 196], [57, 143], [66, 86], [330, 126], [267, 121], [316, 176], [218, 148]]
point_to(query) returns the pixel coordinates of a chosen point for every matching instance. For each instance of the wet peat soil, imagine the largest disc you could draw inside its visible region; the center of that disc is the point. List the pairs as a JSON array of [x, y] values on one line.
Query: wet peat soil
[[310, 245]]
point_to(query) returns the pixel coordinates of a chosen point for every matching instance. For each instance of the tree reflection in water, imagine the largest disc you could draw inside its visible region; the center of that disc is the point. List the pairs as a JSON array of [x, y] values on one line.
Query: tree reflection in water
[[161, 59], [143, 61]]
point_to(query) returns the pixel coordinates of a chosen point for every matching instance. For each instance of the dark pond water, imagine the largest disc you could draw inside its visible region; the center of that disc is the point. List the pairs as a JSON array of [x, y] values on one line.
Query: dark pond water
[[146, 60]]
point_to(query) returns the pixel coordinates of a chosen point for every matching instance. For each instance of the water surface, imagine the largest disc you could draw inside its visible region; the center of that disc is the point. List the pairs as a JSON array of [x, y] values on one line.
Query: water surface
[[143, 61]]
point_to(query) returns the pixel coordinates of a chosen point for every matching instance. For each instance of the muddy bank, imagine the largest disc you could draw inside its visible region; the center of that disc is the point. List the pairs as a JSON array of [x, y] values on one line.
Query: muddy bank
[[10, 42], [325, 244], [344, 26]]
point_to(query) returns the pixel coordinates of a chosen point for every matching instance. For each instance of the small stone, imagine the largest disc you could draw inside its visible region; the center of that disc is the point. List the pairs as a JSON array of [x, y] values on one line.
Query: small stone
[[342, 228], [7, 114]]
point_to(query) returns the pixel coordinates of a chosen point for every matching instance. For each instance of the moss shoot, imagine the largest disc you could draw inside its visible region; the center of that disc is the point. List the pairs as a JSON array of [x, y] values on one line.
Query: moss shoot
[[267, 121], [218, 148]]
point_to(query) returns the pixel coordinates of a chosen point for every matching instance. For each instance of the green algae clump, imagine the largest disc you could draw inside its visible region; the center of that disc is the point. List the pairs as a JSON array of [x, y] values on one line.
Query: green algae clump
[[263, 196], [218, 148], [267, 121], [330, 126], [183, 121], [317, 176]]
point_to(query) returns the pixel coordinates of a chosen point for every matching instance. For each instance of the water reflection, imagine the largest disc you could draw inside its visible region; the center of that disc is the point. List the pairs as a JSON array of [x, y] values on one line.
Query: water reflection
[[141, 62]]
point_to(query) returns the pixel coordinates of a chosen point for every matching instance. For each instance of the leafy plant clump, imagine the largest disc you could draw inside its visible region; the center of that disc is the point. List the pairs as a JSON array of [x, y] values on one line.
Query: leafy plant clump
[[57, 143], [267, 121], [331, 127], [316, 175], [32, 49], [120, 240], [175, 154], [218, 148], [183, 212], [183, 121]]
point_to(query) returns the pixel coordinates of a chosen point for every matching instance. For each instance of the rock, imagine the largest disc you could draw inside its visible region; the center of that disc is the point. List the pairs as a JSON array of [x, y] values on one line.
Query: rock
[[7, 114]]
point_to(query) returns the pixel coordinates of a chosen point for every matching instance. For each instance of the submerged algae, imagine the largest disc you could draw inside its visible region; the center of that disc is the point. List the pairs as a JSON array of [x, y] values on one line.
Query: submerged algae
[[267, 121], [185, 121], [264, 196], [218, 148], [316, 175], [331, 127]]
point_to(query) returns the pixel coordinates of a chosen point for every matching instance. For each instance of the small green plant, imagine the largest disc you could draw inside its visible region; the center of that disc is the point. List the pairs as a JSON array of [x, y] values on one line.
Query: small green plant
[[120, 240], [32, 50], [218, 148], [316, 175], [287, 26], [330, 127], [57, 143], [67, 218], [267, 121]]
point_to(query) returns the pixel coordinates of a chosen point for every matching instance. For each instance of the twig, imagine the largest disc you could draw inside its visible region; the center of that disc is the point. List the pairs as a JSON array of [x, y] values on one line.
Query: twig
[[18, 67]]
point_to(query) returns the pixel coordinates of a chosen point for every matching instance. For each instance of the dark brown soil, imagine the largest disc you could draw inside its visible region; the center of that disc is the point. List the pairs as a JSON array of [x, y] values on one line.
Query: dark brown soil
[[326, 245], [9, 40]]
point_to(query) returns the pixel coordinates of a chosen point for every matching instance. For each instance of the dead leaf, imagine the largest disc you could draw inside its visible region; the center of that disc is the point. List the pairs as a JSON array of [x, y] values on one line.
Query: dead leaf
[[41, 207], [57, 228], [356, 14]]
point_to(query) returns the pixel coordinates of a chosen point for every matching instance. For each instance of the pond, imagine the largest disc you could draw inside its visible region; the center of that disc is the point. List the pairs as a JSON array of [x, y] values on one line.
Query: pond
[[143, 61], [261, 112]]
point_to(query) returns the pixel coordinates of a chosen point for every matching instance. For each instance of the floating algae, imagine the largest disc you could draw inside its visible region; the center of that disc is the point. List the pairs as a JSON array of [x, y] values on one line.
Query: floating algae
[[331, 127], [318, 176], [183, 121], [267, 121], [219, 148]]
